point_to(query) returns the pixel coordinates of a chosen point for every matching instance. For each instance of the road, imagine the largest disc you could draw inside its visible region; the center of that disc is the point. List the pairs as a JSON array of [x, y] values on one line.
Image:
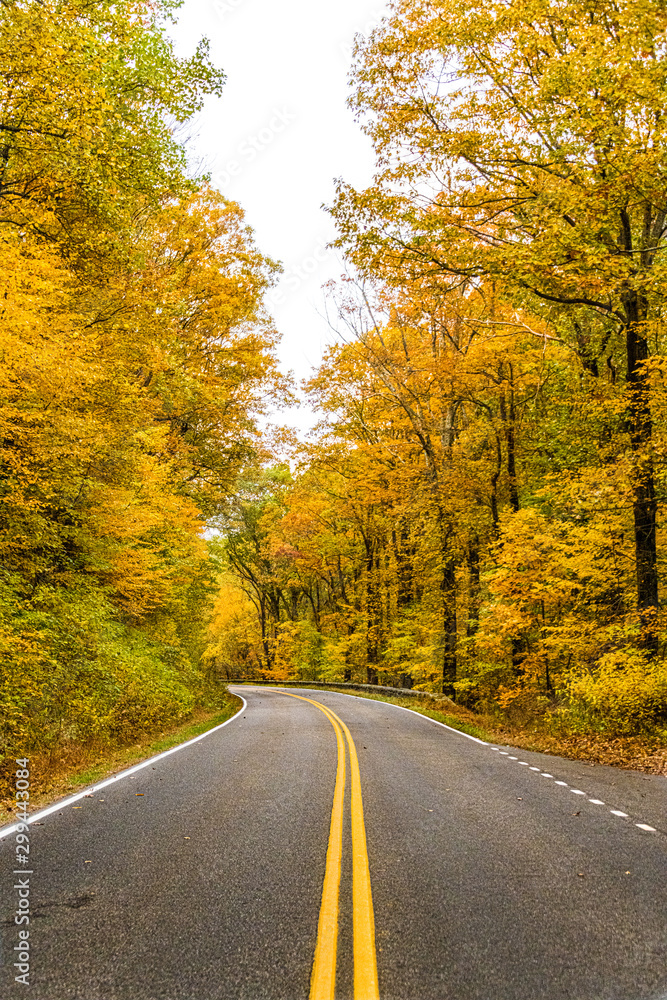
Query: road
[[496, 874]]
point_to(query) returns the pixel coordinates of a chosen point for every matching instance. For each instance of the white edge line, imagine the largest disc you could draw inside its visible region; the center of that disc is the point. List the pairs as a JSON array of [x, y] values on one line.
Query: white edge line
[[63, 803], [475, 739], [403, 709]]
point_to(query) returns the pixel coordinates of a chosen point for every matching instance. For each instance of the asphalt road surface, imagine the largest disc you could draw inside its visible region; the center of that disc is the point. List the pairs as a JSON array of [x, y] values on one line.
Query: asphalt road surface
[[496, 874]]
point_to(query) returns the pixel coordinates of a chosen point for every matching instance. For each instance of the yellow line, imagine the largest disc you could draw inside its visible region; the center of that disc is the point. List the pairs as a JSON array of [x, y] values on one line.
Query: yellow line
[[323, 977], [363, 922]]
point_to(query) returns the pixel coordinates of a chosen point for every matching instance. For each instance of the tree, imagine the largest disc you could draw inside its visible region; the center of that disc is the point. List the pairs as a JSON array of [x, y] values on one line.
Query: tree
[[91, 93], [524, 143]]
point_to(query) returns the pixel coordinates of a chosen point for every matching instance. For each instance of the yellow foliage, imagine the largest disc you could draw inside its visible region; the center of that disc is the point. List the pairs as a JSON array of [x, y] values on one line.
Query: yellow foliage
[[627, 691]]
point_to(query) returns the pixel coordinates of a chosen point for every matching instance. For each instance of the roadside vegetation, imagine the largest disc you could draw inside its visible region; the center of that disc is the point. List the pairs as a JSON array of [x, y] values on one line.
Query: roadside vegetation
[[74, 765], [135, 355]]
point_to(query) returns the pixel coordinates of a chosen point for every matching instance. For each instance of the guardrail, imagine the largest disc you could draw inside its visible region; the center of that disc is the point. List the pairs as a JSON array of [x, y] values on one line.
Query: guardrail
[[377, 688]]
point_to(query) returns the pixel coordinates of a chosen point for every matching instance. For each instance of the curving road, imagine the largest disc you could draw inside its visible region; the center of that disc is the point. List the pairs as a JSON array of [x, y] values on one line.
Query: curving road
[[496, 874]]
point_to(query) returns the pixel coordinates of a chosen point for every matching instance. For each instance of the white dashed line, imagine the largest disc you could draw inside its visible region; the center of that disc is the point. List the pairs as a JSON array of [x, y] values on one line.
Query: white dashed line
[[475, 739], [575, 791], [504, 753]]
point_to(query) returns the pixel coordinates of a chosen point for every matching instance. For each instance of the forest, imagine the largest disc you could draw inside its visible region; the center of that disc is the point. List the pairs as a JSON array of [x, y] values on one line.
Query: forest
[[479, 511]]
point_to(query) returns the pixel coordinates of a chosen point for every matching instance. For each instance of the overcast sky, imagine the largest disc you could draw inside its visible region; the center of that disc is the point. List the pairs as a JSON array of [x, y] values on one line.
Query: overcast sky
[[280, 135]]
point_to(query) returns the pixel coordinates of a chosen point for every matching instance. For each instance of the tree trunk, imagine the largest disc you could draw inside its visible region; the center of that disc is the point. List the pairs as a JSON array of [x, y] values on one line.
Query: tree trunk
[[494, 487], [511, 449], [373, 615], [640, 427], [449, 629], [265, 639], [473, 586], [404, 569]]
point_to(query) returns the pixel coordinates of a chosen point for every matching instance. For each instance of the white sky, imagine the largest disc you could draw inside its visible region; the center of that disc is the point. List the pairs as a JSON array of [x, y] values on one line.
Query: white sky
[[279, 136]]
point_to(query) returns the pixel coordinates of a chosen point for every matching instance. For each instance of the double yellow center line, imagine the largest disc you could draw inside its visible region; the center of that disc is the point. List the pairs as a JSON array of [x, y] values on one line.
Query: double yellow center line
[[323, 979]]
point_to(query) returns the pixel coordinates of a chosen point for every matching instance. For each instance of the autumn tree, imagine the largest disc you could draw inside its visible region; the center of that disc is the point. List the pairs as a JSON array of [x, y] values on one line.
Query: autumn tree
[[91, 96], [524, 143]]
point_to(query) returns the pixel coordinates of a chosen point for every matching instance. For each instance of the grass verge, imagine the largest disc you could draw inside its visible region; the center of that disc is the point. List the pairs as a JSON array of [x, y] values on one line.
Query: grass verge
[[79, 766]]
